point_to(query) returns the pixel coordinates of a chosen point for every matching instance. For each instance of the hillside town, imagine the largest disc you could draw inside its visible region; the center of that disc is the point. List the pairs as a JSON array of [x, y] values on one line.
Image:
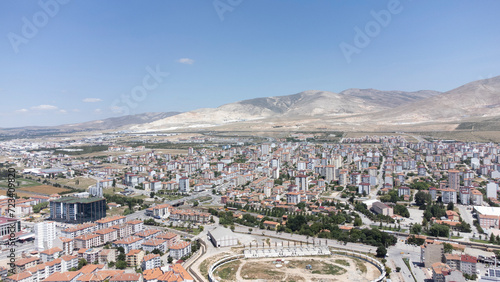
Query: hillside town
[[94, 209]]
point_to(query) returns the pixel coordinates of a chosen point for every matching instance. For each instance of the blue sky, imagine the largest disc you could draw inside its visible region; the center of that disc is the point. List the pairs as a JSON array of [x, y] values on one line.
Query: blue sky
[[80, 60]]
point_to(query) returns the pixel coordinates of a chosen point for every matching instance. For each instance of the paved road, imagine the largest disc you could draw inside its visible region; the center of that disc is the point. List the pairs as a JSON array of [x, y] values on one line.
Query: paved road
[[380, 180], [467, 217], [395, 255]]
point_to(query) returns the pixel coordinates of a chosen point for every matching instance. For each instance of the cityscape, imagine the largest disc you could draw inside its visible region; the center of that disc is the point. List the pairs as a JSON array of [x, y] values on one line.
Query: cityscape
[[233, 141], [378, 205]]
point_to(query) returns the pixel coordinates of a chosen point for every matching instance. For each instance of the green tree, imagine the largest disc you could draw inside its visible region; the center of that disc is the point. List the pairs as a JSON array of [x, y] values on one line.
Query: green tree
[[416, 229], [401, 210], [81, 263], [439, 230], [450, 206], [295, 222], [358, 221], [111, 264], [121, 264], [422, 198], [122, 256], [38, 207], [448, 248], [381, 251], [419, 185], [170, 259]]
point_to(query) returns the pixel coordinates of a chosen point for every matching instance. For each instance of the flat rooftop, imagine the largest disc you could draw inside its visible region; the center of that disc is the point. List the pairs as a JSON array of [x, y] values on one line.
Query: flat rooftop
[[488, 210], [74, 200]]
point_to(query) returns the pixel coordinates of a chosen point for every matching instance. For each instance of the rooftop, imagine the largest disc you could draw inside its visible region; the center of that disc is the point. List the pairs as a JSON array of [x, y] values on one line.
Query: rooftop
[[75, 200]]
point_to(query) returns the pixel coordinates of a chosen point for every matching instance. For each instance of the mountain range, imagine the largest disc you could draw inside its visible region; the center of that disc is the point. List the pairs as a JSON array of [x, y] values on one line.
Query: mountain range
[[467, 107], [352, 109]]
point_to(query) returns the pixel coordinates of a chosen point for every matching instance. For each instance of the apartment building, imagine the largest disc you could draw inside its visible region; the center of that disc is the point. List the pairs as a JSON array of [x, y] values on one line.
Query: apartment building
[[136, 225], [107, 235], [129, 243], [45, 235], [180, 249], [147, 234], [110, 221], [170, 238], [78, 230], [51, 254], [134, 257], [87, 241], [155, 243], [151, 261]]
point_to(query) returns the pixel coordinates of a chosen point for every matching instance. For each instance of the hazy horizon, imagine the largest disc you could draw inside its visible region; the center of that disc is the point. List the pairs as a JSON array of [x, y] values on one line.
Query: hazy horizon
[[70, 62]]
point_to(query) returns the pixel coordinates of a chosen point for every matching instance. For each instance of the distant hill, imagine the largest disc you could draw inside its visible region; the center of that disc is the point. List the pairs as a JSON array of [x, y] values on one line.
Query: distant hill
[[117, 122], [103, 124], [477, 99], [307, 104]]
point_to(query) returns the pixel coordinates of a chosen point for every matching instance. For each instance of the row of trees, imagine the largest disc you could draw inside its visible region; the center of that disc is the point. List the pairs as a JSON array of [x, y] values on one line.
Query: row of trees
[[373, 237]]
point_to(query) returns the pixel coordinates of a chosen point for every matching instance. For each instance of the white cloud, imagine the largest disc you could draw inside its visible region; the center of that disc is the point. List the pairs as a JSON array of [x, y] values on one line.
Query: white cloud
[[91, 100], [22, 111], [97, 111], [63, 111], [44, 107], [75, 110], [186, 61]]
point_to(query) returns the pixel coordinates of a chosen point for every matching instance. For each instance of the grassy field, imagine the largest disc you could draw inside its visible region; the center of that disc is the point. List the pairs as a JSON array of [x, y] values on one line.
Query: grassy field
[[112, 190], [22, 183], [459, 135], [77, 182], [480, 241], [228, 271], [19, 193], [200, 199], [363, 134], [142, 197], [43, 189], [463, 135], [330, 269], [116, 211], [360, 265], [170, 197], [342, 262], [209, 261], [260, 271]]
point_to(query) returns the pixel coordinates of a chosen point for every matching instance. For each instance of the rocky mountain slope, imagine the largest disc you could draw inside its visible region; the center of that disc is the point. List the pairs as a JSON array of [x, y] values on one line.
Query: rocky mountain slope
[[307, 104]]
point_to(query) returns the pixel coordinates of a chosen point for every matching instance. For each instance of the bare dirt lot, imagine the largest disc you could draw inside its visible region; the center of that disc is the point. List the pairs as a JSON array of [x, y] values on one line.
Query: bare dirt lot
[[320, 268]]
